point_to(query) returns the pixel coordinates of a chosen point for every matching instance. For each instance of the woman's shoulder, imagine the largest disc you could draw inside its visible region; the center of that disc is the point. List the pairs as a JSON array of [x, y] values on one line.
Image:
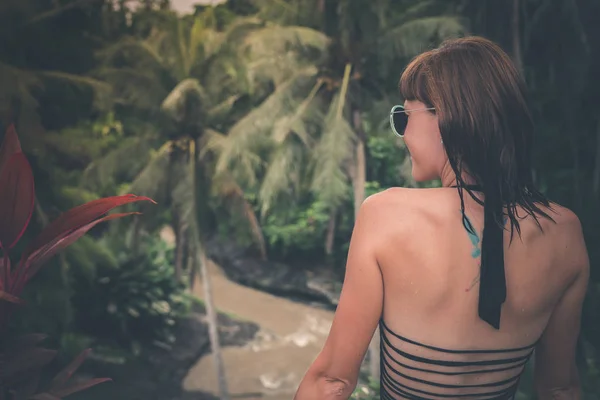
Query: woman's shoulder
[[560, 222], [395, 195]]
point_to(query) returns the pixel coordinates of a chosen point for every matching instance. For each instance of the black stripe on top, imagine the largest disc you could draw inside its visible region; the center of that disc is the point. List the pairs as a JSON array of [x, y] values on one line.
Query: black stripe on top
[[401, 384]]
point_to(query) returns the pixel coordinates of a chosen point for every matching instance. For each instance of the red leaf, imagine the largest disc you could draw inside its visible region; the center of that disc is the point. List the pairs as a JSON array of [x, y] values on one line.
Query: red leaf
[[10, 146], [79, 216], [27, 387], [44, 396], [26, 360], [10, 298], [63, 376], [35, 261], [20, 343], [16, 199], [4, 272], [77, 387]]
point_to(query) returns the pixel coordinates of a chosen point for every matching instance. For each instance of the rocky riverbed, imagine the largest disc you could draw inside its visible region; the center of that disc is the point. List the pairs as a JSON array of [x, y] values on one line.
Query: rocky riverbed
[[158, 372], [319, 289]]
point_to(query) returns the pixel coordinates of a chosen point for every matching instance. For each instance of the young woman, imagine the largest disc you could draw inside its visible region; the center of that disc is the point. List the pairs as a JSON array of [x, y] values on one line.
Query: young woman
[[466, 280]]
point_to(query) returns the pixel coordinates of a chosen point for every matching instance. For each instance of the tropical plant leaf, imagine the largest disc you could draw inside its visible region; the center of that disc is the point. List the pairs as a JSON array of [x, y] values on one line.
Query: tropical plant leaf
[[15, 345], [44, 396], [10, 298], [187, 101], [128, 158], [67, 372], [282, 174], [295, 123], [25, 360], [335, 148], [36, 259], [17, 85], [153, 179], [278, 39], [418, 35], [78, 217], [27, 385], [239, 150], [182, 195], [101, 90], [229, 188], [16, 200], [77, 387], [139, 87], [10, 146]]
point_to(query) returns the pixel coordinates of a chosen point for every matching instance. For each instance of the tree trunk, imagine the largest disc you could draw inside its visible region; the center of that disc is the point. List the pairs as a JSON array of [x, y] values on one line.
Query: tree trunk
[[330, 235], [180, 242], [213, 328], [135, 234], [200, 254], [516, 35], [359, 178]]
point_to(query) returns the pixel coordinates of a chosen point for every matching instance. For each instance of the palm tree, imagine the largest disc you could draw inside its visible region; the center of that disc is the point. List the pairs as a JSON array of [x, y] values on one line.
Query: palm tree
[[365, 40], [187, 68]]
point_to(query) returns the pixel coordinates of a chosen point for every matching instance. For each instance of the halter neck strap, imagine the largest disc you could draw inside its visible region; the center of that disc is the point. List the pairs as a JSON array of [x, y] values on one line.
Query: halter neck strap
[[492, 283]]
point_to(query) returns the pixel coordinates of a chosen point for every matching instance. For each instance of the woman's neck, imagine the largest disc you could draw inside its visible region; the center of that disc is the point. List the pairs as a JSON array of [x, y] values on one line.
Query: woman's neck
[[448, 177]]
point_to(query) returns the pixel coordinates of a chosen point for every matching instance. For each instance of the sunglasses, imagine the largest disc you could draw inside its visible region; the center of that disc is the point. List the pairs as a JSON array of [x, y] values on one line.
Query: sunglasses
[[399, 118]]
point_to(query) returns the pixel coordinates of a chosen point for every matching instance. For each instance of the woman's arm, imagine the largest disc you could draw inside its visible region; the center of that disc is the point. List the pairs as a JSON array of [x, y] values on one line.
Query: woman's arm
[[556, 375], [334, 373]]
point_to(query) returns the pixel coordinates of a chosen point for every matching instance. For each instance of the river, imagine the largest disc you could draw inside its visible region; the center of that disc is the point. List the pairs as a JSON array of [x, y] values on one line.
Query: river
[[271, 366]]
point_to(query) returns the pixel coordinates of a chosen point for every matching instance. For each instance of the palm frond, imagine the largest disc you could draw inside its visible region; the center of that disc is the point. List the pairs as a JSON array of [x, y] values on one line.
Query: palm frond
[[298, 12], [153, 179], [129, 158], [75, 196], [275, 52], [88, 253], [294, 123], [182, 196], [17, 102], [212, 142], [335, 148], [278, 39], [143, 53], [225, 75], [56, 11], [101, 90], [240, 28], [187, 100], [418, 35], [282, 174], [134, 86], [425, 8], [227, 187], [239, 151]]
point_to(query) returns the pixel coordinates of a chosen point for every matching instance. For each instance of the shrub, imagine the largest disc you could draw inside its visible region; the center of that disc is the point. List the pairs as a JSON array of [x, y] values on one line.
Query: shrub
[[21, 360]]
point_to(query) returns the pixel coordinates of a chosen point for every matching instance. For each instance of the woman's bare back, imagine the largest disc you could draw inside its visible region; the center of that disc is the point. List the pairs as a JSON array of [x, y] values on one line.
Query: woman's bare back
[[430, 267]]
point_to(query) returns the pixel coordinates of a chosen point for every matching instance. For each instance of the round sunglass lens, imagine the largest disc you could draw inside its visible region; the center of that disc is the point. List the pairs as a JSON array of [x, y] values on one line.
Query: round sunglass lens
[[399, 122]]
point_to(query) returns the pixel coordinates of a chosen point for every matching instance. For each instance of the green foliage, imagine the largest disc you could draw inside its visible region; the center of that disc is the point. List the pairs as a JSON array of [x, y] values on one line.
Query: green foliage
[[135, 302], [295, 229]]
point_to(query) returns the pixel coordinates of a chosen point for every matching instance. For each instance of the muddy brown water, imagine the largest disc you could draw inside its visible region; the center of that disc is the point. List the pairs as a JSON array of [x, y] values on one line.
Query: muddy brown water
[[272, 365]]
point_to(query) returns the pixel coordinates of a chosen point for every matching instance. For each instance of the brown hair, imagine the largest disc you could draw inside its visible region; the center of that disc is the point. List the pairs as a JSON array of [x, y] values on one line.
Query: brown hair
[[487, 130]]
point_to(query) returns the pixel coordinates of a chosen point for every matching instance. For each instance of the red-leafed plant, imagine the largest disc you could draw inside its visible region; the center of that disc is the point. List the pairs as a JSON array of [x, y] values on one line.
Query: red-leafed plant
[[21, 361]]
